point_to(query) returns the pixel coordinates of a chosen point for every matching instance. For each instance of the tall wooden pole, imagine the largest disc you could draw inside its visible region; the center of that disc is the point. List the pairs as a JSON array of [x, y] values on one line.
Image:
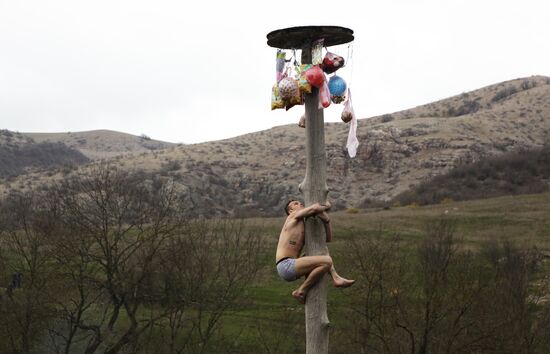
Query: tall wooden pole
[[314, 187], [315, 190]]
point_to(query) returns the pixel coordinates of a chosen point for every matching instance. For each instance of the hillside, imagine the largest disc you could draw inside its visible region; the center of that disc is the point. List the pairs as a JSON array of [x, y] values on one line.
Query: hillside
[[100, 144], [20, 154], [254, 174], [511, 173]]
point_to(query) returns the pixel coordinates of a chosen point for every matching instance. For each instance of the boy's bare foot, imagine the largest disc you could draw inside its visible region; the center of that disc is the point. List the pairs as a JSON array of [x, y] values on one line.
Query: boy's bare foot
[[299, 295], [340, 282]]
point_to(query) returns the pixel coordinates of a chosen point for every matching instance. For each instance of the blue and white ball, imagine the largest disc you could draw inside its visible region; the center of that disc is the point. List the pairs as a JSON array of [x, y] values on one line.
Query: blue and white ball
[[337, 86]]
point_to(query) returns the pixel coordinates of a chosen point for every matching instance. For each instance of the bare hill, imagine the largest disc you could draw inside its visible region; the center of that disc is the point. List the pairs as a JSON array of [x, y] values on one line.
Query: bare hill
[[99, 144], [255, 173], [21, 154]]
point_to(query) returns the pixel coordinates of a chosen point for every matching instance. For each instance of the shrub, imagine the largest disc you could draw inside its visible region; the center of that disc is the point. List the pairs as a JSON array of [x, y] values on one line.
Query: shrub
[[6, 133], [467, 107], [447, 200], [387, 118], [504, 93], [15, 160], [510, 173], [528, 84], [170, 166]]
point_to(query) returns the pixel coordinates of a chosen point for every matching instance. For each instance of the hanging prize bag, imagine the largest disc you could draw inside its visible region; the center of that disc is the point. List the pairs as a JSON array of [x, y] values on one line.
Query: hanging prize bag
[[324, 95], [332, 62], [305, 86], [348, 115], [280, 65], [276, 100]]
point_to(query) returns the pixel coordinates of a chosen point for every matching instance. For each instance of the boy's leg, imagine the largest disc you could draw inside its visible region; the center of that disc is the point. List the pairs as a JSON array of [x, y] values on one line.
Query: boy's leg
[[305, 265], [337, 280], [315, 267], [313, 277]]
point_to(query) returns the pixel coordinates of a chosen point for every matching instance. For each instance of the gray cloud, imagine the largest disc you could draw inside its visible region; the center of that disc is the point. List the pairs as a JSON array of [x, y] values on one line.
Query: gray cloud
[[186, 72]]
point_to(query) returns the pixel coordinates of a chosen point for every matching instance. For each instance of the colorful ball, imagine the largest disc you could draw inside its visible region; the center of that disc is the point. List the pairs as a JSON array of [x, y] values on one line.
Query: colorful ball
[[337, 86], [288, 88]]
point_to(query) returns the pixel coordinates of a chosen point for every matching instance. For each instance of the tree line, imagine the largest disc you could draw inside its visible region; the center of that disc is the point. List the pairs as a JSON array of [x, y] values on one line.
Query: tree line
[[437, 296], [107, 263]]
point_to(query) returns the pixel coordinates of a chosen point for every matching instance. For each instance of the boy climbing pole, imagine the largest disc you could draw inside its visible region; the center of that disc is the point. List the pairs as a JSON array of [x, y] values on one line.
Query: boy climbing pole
[[291, 241]]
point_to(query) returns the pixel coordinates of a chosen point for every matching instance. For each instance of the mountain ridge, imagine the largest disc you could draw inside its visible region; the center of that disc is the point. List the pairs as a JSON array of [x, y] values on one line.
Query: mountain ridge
[[102, 143], [254, 174]]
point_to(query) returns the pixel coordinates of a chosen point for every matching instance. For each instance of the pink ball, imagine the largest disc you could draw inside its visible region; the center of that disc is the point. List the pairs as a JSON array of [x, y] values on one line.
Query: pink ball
[[315, 76]]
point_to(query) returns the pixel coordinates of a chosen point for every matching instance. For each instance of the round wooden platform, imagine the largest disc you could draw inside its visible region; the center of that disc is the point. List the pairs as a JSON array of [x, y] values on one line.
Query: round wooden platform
[[302, 37]]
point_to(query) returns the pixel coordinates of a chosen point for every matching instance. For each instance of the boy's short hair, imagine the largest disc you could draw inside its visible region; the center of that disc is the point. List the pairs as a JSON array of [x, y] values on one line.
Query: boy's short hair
[[287, 204]]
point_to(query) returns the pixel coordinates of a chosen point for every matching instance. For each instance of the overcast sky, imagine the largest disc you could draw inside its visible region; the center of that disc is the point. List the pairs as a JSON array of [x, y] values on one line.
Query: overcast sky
[[190, 72]]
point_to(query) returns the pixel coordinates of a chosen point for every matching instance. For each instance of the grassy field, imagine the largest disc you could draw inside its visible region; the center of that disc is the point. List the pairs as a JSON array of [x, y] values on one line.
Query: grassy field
[[275, 318], [495, 281], [523, 219]]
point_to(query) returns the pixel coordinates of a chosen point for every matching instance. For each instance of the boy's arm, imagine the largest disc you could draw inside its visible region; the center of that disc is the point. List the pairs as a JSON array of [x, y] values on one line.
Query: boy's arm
[[328, 227], [312, 210]]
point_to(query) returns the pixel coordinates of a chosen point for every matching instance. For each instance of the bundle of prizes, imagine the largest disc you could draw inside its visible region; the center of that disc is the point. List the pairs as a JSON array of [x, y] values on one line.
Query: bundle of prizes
[[289, 89]]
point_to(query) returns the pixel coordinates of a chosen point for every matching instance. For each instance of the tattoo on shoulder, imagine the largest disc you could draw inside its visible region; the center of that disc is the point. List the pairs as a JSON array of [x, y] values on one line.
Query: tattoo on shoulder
[[292, 242]]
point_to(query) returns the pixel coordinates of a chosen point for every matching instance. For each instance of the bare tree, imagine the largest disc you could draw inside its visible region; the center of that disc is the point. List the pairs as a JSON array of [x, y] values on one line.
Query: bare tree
[[28, 302], [376, 261], [111, 266], [210, 264], [115, 225], [443, 299]]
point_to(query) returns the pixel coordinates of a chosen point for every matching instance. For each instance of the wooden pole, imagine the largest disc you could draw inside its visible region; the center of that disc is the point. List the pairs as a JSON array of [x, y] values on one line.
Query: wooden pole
[[315, 190], [314, 187]]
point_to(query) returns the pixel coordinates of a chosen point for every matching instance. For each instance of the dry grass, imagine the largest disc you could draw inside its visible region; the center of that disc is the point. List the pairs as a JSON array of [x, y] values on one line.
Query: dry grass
[[100, 144], [523, 219]]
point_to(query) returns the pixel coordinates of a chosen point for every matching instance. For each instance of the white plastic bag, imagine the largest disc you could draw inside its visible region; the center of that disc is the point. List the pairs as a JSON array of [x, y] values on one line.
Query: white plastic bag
[[352, 142]]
